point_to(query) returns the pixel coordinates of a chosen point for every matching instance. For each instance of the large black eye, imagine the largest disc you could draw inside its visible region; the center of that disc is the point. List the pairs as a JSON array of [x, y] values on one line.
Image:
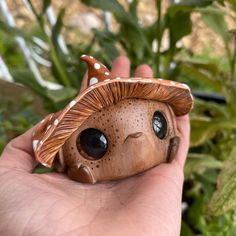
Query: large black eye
[[93, 143], [159, 124]]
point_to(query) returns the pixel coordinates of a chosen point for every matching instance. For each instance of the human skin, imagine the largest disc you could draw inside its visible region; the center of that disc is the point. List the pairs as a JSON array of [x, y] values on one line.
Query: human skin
[[52, 204]]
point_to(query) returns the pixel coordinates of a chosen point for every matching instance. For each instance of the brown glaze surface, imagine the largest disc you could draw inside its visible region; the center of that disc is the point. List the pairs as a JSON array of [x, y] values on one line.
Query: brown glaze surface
[[126, 105], [133, 146], [58, 129]]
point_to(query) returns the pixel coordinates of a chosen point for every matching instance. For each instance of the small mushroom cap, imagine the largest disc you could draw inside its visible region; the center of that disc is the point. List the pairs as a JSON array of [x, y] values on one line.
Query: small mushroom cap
[[97, 72]]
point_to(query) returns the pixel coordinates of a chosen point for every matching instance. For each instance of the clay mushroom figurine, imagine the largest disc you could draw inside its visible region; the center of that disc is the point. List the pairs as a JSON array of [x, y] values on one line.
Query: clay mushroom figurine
[[117, 127]]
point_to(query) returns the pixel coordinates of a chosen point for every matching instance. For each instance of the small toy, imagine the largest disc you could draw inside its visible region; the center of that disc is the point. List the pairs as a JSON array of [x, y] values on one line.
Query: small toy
[[117, 127]]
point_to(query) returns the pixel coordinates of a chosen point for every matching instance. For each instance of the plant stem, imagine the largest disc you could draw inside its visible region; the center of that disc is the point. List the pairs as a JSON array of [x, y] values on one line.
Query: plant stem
[[63, 77], [158, 36]]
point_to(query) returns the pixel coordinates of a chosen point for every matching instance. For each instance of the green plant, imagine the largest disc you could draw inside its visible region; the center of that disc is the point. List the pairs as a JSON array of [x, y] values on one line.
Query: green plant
[[213, 133], [210, 186], [16, 118], [213, 125], [64, 68], [137, 40]]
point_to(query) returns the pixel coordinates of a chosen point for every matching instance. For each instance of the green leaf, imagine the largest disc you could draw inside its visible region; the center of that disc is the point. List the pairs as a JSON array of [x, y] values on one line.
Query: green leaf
[[204, 129], [57, 57], [46, 4], [195, 211], [13, 31], [130, 35], [224, 199], [179, 20], [61, 95], [201, 130], [133, 9], [185, 229], [210, 66], [213, 109], [194, 3], [27, 78], [214, 18], [179, 25], [56, 30], [132, 40], [111, 6], [189, 5], [233, 2], [197, 163], [42, 170], [37, 16], [201, 75], [107, 42]]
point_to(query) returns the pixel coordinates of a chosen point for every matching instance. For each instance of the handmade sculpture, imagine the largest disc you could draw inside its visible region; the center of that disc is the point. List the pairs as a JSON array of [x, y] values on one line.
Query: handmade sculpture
[[115, 128]]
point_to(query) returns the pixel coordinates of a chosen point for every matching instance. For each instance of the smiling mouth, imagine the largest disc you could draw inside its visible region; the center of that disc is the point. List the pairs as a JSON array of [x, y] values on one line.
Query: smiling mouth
[[173, 147], [133, 135]]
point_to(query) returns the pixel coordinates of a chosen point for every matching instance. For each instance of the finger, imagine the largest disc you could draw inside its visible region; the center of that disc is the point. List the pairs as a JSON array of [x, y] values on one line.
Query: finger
[[143, 71], [84, 83], [183, 125], [19, 154], [121, 66]]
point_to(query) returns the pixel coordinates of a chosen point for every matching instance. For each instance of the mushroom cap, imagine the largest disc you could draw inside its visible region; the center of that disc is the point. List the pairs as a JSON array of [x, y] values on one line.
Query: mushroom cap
[[55, 129]]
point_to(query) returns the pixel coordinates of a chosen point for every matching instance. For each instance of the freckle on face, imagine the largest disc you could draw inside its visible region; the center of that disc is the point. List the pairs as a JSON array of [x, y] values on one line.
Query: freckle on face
[[122, 119]]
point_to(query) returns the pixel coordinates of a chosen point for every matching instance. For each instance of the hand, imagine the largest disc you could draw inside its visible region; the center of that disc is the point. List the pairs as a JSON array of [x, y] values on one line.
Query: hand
[[51, 204]]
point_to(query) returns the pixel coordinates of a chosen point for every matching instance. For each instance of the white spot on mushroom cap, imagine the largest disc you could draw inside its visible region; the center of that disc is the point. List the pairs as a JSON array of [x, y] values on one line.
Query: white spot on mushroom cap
[[172, 82], [107, 73], [42, 121], [185, 85], [97, 66], [48, 127], [72, 103], [91, 57], [93, 80], [35, 144], [83, 55], [106, 80], [44, 164], [118, 78], [56, 122]]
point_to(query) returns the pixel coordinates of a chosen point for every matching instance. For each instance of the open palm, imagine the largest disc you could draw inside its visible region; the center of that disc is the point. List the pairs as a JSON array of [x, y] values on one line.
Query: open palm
[[52, 204]]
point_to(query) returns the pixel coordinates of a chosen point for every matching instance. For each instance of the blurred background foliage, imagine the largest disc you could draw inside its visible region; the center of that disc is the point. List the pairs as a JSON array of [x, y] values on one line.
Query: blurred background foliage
[[169, 42]]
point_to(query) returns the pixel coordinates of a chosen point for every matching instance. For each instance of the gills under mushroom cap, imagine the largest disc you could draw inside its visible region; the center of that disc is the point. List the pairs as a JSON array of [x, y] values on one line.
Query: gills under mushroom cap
[[104, 90]]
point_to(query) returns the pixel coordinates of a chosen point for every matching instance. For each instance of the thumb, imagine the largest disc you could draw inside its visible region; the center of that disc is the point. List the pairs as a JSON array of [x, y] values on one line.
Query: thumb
[[19, 153]]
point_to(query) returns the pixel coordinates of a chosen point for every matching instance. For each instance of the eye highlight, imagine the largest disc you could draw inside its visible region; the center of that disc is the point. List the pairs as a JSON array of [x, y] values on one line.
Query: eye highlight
[[159, 124], [92, 144]]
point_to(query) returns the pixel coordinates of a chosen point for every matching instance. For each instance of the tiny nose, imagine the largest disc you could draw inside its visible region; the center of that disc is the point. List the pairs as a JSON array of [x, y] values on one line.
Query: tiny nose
[[133, 135]]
